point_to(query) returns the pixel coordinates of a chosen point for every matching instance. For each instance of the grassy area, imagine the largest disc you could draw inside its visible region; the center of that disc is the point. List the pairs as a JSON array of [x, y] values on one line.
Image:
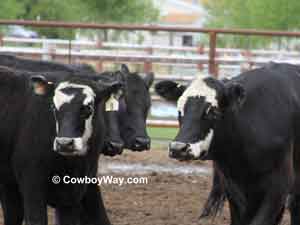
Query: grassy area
[[162, 133]]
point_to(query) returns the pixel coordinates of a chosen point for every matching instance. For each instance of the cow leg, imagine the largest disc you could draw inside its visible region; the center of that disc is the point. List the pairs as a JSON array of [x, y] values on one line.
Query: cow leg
[[273, 201], [93, 211], [35, 205], [295, 209], [217, 196], [294, 203], [271, 210], [67, 215], [12, 205], [234, 216]]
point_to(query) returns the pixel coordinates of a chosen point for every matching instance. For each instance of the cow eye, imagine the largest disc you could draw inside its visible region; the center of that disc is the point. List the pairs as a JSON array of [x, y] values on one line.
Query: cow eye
[[211, 113], [179, 117], [86, 111], [52, 106]]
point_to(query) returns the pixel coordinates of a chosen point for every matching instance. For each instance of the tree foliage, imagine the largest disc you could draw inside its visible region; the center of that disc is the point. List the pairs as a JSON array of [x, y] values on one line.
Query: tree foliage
[[10, 9], [101, 11], [66, 10], [122, 11], [253, 14]]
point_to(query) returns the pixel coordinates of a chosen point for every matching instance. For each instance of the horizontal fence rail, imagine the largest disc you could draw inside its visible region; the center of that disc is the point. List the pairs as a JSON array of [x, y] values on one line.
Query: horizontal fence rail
[[154, 28]]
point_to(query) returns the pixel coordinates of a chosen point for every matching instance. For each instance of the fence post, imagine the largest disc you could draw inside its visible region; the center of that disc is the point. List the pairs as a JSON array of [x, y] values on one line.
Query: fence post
[[1, 40], [212, 69], [148, 63], [200, 51], [70, 52], [99, 65], [46, 56]]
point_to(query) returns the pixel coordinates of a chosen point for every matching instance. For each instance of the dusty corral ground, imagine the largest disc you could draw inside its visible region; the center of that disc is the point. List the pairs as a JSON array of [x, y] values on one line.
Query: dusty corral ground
[[168, 198]]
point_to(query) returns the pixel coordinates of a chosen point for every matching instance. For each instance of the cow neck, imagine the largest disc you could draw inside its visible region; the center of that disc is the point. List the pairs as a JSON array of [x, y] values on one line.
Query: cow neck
[[227, 140]]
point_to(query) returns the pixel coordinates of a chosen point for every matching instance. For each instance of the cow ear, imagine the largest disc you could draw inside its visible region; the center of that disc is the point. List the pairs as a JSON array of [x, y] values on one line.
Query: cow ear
[[148, 79], [235, 95], [169, 90], [125, 69], [113, 86], [41, 86]]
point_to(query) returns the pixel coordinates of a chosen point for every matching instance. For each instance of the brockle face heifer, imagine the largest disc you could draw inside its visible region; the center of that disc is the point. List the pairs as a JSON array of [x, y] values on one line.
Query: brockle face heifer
[[28, 161], [249, 127], [74, 106], [201, 103], [79, 133], [199, 93]]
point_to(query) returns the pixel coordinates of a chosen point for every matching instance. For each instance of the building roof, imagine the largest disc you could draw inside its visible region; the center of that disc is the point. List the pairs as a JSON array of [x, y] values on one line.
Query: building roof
[[180, 12]]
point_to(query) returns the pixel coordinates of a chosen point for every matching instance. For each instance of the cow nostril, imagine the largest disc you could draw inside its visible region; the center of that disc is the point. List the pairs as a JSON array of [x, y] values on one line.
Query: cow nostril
[[177, 146], [116, 145], [65, 142], [143, 141], [140, 144], [177, 149]]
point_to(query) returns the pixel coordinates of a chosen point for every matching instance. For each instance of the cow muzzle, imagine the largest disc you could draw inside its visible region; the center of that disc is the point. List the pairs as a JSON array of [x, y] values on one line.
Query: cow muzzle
[[183, 151], [113, 148], [66, 146], [141, 144]]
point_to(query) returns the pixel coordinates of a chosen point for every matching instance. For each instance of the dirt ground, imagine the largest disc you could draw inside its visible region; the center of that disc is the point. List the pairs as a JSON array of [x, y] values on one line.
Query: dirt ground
[[167, 199]]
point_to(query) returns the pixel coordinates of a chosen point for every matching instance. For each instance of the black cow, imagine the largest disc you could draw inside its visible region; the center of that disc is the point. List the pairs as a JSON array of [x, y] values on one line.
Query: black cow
[[17, 63], [31, 129], [134, 107], [249, 127]]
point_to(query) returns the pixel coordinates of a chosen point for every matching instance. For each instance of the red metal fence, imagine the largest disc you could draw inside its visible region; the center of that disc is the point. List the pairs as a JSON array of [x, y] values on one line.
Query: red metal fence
[[213, 33]]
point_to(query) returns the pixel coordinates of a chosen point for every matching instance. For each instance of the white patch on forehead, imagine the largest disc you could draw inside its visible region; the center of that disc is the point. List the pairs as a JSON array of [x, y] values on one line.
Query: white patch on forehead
[[203, 145], [198, 88], [61, 98]]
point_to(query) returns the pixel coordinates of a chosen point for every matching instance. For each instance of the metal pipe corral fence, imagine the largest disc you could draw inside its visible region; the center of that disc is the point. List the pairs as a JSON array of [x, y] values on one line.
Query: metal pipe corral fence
[[213, 33]]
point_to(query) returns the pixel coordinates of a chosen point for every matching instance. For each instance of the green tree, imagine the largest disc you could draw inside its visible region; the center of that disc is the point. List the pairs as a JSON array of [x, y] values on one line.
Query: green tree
[[101, 11], [253, 14], [66, 10], [121, 11], [10, 9]]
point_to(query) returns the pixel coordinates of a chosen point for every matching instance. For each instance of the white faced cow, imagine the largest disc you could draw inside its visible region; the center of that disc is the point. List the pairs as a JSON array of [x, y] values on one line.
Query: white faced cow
[[60, 131], [249, 127]]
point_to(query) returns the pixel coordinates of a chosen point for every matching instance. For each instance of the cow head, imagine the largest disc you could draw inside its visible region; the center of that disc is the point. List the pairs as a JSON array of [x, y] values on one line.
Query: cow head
[[75, 104], [113, 144], [134, 107], [201, 107]]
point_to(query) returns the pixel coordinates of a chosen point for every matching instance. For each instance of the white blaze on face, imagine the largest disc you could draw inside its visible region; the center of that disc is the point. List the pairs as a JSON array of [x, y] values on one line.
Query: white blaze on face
[[201, 146], [60, 98], [198, 88]]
